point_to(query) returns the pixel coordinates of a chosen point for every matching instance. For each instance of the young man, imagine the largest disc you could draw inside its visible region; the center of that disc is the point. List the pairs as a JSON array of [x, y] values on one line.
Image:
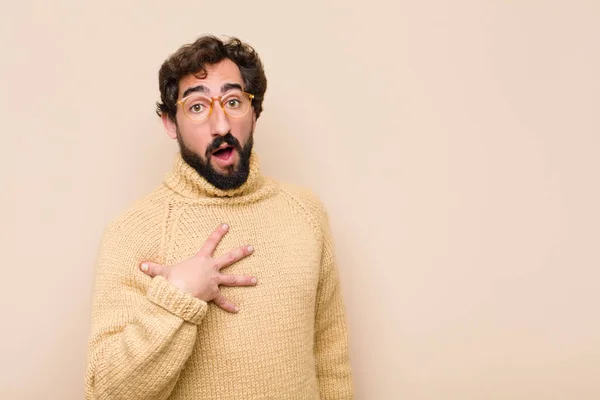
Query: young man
[[221, 283]]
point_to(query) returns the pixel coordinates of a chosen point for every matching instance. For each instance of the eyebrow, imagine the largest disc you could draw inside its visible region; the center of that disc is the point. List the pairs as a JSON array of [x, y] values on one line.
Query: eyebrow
[[228, 86], [193, 89], [203, 89]]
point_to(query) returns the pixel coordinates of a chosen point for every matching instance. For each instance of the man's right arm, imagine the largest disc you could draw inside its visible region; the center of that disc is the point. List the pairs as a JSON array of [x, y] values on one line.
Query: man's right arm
[[143, 329], [144, 325]]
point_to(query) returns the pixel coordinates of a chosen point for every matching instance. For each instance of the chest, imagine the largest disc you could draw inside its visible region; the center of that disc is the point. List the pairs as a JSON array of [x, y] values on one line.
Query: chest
[[286, 259]]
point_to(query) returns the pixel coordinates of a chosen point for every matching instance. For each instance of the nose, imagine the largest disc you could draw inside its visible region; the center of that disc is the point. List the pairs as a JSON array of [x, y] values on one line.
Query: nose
[[219, 123]]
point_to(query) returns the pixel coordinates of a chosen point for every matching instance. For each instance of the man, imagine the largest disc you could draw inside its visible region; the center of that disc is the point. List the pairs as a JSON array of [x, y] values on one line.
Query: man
[[222, 283]]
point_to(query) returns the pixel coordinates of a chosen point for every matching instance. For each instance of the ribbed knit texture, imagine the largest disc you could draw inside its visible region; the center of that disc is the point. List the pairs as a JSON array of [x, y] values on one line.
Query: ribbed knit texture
[[151, 341]]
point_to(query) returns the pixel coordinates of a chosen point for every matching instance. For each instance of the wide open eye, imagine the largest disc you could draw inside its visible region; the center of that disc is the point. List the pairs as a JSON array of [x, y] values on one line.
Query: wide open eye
[[233, 103]]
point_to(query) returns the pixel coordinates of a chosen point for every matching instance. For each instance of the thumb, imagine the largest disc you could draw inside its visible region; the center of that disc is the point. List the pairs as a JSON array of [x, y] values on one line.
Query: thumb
[[153, 269]]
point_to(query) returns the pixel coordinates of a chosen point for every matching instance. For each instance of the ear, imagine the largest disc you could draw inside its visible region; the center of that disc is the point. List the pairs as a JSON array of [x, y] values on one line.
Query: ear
[[170, 126]]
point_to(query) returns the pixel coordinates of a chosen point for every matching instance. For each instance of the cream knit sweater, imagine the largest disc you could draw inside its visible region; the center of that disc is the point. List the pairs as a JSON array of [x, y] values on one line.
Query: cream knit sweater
[[289, 341]]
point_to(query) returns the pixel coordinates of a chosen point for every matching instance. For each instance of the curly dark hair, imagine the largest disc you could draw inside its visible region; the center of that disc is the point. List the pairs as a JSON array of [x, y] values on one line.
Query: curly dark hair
[[208, 50]]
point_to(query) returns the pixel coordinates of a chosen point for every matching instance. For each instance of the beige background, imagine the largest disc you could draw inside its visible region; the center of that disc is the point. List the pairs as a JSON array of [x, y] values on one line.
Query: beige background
[[455, 145]]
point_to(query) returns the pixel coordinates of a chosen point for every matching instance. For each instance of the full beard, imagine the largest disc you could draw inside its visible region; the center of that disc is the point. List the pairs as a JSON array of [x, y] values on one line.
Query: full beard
[[237, 174]]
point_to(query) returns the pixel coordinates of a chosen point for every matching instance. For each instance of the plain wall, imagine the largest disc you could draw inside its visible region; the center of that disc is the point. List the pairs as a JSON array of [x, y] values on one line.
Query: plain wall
[[454, 143]]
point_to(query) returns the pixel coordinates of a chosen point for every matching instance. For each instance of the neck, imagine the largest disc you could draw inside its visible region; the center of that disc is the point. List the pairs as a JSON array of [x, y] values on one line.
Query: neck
[[185, 181]]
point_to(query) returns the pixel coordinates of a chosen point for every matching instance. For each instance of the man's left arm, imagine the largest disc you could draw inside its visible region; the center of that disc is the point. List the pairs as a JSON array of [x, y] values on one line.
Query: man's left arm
[[331, 334]]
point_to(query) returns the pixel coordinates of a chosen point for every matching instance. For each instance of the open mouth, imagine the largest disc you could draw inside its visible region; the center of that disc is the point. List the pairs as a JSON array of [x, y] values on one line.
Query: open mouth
[[224, 153]]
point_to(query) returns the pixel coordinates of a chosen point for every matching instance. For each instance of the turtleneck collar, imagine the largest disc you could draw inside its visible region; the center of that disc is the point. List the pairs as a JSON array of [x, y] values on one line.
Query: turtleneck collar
[[185, 181]]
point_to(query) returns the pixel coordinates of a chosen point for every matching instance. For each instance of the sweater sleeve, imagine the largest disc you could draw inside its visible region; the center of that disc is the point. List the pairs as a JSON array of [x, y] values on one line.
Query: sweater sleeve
[[331, 334], [143, 329]]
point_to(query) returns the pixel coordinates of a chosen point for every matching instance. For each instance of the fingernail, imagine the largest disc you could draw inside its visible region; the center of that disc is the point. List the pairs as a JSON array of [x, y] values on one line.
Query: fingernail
[[145, 267], [253, 280], [225, 226], [236, 309], [250, 249]]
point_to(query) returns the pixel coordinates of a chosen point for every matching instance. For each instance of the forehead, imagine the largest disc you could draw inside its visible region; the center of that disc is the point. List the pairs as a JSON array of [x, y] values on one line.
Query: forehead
[[226, 71]]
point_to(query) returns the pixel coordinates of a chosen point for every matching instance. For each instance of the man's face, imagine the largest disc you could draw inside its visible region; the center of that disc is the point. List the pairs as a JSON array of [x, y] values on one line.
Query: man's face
[[219, 147]]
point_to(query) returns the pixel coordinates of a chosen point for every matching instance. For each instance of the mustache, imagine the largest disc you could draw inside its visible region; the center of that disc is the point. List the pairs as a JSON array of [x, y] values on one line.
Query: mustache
[[228, 138]]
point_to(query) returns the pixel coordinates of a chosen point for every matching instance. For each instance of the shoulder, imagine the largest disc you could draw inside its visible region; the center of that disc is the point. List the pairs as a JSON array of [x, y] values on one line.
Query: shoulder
[[133, 236], [141, 223], [306, 201]]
